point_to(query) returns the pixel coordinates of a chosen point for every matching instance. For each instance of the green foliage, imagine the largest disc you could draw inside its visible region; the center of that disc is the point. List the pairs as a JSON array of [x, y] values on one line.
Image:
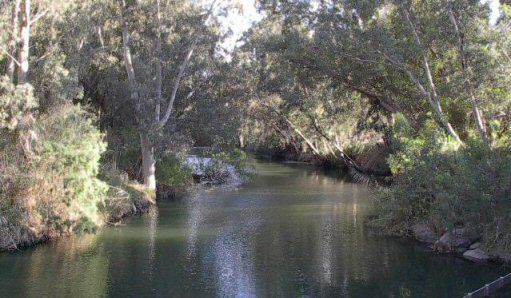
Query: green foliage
[[215, 172], [217, 167], [14, 104], [171, 172], [324, 80], [71, 147], [446, 186], [235, 158], [55, 191], [57, 85]]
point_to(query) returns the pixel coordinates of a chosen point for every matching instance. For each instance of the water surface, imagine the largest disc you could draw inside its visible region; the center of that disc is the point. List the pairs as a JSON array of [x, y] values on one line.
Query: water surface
[[291, 232]]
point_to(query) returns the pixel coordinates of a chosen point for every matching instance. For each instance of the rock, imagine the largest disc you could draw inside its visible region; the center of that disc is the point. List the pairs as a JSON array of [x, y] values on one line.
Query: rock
[[446, 243], [457, 238], [212, 172], [460, 250], [476, 255], [504, 257], [424, 233], [475, 245]]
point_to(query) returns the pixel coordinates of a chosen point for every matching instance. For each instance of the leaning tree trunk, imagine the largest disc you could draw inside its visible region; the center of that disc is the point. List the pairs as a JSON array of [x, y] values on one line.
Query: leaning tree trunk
[[468, 85], [148, 162], [431, 95]]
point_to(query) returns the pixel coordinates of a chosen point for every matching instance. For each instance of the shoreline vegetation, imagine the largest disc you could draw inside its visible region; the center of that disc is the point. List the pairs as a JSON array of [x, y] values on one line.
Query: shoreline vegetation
[[473, 241], [122, 198], [30, 223], [102, 101], [469, 240], [55, 189]]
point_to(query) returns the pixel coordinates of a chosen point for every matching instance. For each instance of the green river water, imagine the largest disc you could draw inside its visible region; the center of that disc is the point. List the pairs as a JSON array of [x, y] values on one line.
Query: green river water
[[290, 232]]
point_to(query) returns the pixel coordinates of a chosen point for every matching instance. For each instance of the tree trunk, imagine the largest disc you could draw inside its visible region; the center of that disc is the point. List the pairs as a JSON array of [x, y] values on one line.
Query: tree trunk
[[24, 50], [184, 66], [148, 162], [158, 64], [11, 63], [155, 121], [128, 63], [468, 85], [26, 132], [431, 95], [309, 142]]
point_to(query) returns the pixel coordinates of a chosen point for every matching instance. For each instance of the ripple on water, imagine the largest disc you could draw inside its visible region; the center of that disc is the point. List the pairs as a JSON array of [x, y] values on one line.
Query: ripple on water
[[291, 231]]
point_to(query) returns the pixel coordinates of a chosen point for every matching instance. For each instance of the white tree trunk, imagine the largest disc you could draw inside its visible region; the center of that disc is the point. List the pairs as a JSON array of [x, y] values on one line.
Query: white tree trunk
[[11, 63], [158, 67], [128, 63], [24, 50], [148, 162], [431, 95], [468, 85], [148, 150]]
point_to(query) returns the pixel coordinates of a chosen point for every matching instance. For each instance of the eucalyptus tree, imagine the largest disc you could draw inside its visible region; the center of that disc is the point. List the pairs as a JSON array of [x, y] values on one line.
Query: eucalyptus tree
[[153, 112], [425, 59], [25, 18]]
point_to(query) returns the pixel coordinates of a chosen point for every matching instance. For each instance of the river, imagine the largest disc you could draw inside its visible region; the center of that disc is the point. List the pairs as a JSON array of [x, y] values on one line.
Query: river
[[290, 232]]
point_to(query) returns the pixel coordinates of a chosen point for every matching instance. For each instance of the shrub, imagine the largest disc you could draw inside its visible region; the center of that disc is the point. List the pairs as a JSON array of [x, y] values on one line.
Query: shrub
[[226, 165], [14, 105], [125, 196], [55, 191], [171, 172], [437, 182], [71, 146], [234, 157]]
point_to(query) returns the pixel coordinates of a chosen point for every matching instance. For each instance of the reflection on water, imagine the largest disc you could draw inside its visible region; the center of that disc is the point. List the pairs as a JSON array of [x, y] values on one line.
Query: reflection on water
[[290, 232], [151, 248], [78, 260]]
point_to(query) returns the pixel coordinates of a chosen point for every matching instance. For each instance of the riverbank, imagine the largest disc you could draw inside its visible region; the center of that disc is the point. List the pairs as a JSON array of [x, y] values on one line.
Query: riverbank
[[365, 165], [460, 242], [291, 229], [123, 198], [128, 199], [454, 198], [442, 236]]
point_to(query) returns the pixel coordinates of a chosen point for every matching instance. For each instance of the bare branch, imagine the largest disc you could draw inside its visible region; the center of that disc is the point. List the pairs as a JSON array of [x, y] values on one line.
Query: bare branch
[[38, 16], [11, 57], [184, 66]]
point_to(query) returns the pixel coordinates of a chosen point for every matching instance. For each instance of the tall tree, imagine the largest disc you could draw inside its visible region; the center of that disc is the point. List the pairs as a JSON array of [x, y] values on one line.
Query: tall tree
[[152, 121]]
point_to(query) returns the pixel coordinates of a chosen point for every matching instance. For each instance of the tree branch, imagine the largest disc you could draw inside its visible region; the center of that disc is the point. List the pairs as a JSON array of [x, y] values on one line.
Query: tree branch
[[183, 67]]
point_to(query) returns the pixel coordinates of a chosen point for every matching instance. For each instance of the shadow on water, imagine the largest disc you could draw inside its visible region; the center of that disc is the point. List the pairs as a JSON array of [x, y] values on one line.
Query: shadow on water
[[292, 231]]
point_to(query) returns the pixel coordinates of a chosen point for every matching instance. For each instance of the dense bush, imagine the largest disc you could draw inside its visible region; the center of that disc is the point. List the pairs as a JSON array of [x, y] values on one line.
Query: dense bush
[[14, 104], [71, 146], [170, 171], [446, 186], [55, 191], [235, 157], [225, 166]]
